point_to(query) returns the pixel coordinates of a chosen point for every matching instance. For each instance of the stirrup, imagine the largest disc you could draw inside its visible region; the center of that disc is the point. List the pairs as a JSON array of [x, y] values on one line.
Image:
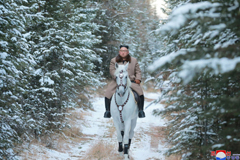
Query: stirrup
[[141, 114], [107, 114]]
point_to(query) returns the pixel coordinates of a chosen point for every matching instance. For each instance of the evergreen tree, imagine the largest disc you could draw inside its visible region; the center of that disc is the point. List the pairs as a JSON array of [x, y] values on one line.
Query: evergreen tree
[[14, 63], [202, 67], [139, 32], [127, 22], [63, 51], [46, 65]]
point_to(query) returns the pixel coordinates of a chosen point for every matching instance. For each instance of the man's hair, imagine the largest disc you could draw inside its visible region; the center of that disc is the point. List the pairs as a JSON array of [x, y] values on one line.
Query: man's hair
[[123, 46]]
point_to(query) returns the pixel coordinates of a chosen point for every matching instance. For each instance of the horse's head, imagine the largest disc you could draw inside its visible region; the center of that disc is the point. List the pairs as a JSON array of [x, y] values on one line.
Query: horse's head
[[122, 79]]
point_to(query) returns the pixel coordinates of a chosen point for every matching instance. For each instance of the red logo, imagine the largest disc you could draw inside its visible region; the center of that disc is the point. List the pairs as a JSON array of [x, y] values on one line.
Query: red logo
[[228, 153]]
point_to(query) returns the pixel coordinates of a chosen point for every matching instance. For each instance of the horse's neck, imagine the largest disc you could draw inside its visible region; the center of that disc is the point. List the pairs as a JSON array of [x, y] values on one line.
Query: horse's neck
[[121, 100]]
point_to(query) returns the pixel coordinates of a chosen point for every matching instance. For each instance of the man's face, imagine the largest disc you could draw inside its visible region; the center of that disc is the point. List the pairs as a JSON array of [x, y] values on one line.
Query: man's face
[[123, 52]]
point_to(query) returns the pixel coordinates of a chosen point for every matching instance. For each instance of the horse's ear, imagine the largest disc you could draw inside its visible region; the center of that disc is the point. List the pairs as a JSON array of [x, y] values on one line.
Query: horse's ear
[[116, 65], [126, 66]]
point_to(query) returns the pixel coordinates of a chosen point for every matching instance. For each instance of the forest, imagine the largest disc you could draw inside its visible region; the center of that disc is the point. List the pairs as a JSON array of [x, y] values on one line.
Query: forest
[[54, 53]]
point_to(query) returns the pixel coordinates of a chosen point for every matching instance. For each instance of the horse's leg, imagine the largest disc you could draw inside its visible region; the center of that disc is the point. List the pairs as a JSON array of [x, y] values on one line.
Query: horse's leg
[[126, 138], [120, 146], [119, 135], [122, 133], [129, 143], [133, 125]]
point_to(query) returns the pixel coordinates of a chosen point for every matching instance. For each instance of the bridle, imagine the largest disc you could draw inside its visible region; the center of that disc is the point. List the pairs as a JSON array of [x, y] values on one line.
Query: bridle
[[121, 84]]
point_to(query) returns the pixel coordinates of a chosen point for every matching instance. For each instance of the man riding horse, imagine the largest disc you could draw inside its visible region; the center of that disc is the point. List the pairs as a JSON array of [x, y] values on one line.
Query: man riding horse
[[134, 73]]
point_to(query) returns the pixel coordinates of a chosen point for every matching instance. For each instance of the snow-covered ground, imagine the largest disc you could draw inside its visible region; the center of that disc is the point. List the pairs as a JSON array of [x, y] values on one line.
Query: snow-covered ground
[[146, 144]]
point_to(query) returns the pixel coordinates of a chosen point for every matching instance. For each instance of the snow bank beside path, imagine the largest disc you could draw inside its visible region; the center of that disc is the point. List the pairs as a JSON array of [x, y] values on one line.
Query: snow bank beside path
[[152, 95], [142, 150]]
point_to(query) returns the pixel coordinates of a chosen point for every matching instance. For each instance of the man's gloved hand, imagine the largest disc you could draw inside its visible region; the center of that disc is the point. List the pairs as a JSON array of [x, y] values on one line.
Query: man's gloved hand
[[137, 81]]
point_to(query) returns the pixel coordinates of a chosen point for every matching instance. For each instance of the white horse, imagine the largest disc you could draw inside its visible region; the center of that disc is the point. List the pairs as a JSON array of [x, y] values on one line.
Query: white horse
[[124, 109]]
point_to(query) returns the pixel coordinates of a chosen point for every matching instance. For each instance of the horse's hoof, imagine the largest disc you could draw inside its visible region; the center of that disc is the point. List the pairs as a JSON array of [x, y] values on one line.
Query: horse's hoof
[[120, 150], [107, 114], [141, 114], [126, 157], [121, 154]]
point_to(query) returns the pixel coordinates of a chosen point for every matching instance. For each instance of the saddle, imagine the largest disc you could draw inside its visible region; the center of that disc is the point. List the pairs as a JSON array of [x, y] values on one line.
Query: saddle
[[136, 96]]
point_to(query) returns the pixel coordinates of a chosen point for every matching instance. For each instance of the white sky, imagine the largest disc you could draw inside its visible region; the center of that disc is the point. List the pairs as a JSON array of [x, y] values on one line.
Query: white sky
[[159, 4]]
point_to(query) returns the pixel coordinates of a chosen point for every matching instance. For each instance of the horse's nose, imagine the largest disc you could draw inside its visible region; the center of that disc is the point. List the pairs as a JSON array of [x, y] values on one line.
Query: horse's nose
[[121, 94]]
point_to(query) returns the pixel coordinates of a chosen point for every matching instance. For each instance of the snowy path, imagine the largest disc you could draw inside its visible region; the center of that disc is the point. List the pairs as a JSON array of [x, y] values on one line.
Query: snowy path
[[98, 137]]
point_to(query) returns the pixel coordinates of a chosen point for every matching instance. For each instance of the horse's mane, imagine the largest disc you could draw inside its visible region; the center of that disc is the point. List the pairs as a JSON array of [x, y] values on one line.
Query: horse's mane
[[120, 67]]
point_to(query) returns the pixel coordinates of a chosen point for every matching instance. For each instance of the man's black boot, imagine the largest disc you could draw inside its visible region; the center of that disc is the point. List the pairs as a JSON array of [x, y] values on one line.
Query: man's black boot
[[141, 113], [107, 114]]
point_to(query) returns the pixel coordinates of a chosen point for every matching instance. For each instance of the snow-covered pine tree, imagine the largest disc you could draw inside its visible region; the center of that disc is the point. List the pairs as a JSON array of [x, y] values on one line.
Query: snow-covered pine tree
[[141, 21], [127, 22], [109, 16], [82, 47], [46, 63], [204, 107], [62, 47], [14, 67]]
